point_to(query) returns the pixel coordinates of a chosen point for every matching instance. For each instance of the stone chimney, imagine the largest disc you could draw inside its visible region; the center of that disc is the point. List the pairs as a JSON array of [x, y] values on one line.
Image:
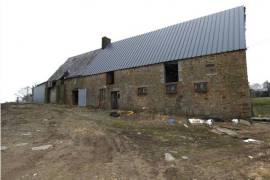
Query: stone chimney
[[105, 42]]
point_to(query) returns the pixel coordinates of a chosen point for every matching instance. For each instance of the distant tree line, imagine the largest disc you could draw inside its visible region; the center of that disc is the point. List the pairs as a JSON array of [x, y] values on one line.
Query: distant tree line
[[260, 90]]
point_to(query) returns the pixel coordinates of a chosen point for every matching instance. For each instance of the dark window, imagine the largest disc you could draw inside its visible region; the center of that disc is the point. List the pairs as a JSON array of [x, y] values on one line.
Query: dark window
[[53, 83], [142, 91], [110, 77], [210, 68], [171, 88], [171, 72], [201, 87]]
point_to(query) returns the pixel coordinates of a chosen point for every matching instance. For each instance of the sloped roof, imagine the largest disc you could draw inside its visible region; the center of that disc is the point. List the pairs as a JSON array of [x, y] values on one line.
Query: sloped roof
[[74, 66], [215, 33]]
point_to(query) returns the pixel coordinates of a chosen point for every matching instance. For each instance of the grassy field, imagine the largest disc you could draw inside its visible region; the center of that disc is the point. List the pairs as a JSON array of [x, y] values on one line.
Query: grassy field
[[261, 106]]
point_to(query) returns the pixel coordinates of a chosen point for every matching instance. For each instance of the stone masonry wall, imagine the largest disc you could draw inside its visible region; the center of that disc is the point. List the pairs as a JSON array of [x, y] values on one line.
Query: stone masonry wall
[[227, 96]]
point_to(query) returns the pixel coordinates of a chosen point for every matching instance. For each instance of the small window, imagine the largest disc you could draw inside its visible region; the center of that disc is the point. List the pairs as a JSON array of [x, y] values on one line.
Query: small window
[[142, 91], [171, 72], [171, 88], [110, 77], [201, 87], [210, 68]]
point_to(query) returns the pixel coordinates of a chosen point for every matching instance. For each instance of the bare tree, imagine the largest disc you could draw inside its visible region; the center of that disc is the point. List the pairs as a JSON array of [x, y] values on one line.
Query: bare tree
[[24, 95]]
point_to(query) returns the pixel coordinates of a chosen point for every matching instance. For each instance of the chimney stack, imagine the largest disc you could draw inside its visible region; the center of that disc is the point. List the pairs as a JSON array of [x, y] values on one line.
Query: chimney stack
[[105, 42]]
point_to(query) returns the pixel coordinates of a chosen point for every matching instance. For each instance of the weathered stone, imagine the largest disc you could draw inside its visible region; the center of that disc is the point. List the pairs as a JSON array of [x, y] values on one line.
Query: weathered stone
[[227, 95]]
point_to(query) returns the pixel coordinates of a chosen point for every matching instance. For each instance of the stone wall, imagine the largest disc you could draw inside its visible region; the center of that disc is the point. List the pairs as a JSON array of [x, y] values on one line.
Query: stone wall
[[227, 95]]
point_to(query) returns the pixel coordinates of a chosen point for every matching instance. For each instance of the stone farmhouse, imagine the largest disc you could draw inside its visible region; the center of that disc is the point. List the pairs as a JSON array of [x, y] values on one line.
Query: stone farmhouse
[[197, 68]]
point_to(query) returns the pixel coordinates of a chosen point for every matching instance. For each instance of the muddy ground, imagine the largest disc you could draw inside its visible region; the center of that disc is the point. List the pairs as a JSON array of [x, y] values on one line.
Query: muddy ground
[[90, 144]]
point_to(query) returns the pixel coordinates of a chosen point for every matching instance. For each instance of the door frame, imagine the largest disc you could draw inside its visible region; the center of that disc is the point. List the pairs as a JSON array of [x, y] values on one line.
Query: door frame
[[115, 95]]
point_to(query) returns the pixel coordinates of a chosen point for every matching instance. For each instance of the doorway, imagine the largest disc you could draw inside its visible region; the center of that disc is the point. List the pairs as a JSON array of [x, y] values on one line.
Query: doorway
[[75, 97], [115, 95]]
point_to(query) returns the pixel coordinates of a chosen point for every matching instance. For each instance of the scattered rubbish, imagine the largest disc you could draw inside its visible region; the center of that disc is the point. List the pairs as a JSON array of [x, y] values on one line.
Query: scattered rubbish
[[185, 157], [114, 114], [250, 157], [45, 120], [38, 130], [129, 113], [139, 133], [169, 157], [209, 122], [244, 122], [21, 144], [216, 131], [3, 148], [224, 131], [235, 121], [251, 141], [195, 121], [171, 121], [27, 134], [44, 147], [174, 152], [58, 142], [186, 125], [262, 119], [34, 174]]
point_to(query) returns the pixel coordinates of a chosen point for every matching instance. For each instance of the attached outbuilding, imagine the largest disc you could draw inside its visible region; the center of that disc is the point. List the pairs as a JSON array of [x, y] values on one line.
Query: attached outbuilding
[[39, 93]]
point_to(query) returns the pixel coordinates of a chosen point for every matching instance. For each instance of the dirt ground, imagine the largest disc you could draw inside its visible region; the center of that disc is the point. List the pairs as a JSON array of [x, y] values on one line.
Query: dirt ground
[[90, 144]]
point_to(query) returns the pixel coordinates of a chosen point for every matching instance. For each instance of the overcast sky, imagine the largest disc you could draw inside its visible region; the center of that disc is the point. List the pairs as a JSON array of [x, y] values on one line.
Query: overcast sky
[[37, 36]]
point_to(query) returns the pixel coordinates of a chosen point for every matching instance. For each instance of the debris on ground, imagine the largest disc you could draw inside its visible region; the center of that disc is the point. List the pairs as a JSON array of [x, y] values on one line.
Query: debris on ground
[[262, 119], [21, 144], [186, 125], [3, 148], [235, 121], [129, 113], [245, 122], [185, 157], [171, 121], [27, 134], [208, 122], [114, 114], [91, 143], [195, 121], [44, 147], [251, 141], [226, 131], [169, 157], [34, 174]]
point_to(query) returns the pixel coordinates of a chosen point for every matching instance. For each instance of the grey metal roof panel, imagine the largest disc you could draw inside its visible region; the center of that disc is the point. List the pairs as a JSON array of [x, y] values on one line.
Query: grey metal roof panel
[[211, 34], [215, 33]]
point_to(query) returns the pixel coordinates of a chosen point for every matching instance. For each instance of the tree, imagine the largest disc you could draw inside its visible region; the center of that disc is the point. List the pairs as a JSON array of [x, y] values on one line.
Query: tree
[[24, 95]]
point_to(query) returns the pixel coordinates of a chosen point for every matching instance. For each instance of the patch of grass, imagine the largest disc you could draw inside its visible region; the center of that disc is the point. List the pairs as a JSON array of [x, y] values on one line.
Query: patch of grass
[[261, 106]]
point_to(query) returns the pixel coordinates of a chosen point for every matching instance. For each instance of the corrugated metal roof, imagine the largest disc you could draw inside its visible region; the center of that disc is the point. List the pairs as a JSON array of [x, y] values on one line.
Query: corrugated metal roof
[[215, 33]]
